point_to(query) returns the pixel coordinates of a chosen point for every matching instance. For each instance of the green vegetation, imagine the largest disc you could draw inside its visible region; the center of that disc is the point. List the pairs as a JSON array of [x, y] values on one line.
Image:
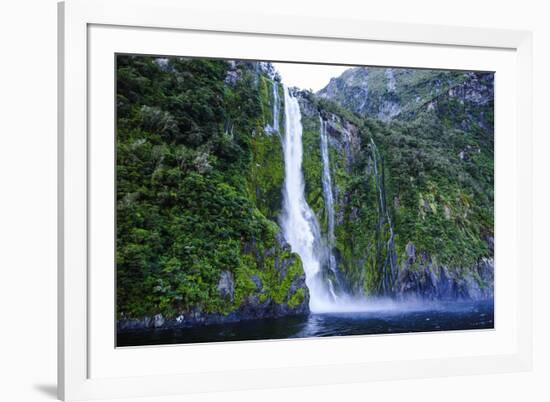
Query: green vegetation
[[200, 173], [197, 180], [442, 203], [313, 168], [267, 166], [435, 171]]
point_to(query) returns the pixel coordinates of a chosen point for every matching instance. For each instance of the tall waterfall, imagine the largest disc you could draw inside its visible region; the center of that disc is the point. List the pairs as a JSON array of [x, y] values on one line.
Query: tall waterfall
[[299, 224]]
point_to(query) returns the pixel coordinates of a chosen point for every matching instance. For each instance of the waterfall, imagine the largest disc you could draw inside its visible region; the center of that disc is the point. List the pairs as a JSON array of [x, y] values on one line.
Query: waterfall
[[327, 183], [275, 86], [365, 89], [390, 264], [329, 210], [299, 224]]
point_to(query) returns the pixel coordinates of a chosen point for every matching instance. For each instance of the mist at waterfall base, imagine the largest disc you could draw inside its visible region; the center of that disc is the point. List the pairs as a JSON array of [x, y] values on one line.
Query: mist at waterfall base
[[378, 317]]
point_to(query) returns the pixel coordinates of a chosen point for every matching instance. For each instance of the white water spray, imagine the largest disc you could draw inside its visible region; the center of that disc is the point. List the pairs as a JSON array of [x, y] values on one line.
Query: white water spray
[[298, 222], [329, 201]]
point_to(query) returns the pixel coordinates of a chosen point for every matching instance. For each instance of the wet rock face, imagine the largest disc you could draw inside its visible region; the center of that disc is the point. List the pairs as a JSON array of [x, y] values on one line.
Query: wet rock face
[[420, 278], [259, 304], [232, 75], [226, 285], [388, 109], [410, 249], [472, 98], [477, 89], [307, 108], [158, 321], [268, 69], [387, 94], [343, 136], [490, 240], [255, 306]]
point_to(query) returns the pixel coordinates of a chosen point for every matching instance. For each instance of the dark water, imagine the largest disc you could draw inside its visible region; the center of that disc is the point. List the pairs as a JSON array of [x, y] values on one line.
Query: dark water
[[424, 318]]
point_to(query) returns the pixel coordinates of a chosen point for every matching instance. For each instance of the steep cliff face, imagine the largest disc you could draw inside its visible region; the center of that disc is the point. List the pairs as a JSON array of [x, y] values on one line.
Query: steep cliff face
[[363, 233], [413, 171], [199, 177], [389, 93], [421, 278]]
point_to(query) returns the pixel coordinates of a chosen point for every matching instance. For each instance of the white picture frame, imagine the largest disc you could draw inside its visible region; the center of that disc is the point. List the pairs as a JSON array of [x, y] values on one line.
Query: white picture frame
[[90, 31]]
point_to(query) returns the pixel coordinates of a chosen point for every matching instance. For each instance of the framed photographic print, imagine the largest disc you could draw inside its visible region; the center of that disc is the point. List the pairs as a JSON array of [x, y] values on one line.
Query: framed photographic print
[[262, 201]]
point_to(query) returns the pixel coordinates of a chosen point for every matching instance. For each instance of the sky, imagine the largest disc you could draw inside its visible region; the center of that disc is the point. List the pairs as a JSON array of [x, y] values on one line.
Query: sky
[[308, 76]]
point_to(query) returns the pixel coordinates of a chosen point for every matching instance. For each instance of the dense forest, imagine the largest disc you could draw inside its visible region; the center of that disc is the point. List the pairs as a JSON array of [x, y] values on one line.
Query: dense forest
[[200, 176]]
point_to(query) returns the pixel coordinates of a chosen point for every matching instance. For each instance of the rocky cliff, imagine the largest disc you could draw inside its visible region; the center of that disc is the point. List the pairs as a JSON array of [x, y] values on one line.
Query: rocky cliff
[[399, 93], [411, 157]]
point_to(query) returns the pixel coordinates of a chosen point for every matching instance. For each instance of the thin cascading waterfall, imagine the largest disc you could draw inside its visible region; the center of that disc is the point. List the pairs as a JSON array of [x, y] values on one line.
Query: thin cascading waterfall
[[275, 87], [365, 88], [298, 221], [390, 262], [328, 197], [327, 182]]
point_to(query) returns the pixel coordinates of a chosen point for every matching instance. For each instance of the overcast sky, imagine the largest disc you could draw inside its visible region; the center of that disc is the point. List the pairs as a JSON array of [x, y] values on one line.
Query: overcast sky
[[308, 76]]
